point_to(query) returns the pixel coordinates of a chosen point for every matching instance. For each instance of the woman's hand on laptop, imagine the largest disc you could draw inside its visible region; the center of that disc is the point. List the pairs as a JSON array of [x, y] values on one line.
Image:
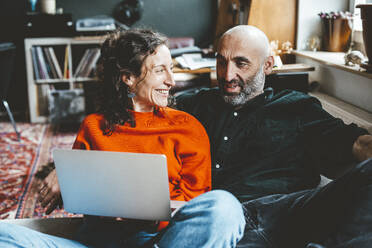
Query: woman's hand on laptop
[[49, 193]]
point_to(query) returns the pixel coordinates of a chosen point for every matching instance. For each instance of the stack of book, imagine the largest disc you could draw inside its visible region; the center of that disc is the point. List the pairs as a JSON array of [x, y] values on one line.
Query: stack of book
[[195, 61], [45, 63], [87, 63]]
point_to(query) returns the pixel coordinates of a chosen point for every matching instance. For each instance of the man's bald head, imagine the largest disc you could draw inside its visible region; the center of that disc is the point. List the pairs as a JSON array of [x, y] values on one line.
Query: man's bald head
[[251, 36], [243, 60]]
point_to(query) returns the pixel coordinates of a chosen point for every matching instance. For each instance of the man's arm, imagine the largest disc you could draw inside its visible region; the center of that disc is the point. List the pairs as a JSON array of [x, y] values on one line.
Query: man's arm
[[362, 148]]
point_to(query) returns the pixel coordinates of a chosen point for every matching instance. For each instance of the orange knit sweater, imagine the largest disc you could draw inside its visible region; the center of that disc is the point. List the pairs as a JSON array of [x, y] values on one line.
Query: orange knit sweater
[[174, 133]]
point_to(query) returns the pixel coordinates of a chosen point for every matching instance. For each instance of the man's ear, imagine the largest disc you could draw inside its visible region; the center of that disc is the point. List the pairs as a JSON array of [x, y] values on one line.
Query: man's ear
[[268, 65]]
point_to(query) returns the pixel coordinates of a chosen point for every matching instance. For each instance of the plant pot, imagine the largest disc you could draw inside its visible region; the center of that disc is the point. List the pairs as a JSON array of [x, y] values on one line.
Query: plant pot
[[337, 34], [366, 16]]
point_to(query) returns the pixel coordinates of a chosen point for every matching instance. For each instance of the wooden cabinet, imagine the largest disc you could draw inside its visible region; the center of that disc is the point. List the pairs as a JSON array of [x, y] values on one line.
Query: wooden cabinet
[[276, 18]]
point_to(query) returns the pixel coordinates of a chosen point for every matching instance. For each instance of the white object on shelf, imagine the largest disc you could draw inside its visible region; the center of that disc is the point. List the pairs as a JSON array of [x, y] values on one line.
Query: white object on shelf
[[195, 61], [97, 23], [48, 6]]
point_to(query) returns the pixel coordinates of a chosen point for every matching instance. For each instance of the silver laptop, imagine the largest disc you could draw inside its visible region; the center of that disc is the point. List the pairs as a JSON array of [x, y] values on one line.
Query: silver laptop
[[116, 184]]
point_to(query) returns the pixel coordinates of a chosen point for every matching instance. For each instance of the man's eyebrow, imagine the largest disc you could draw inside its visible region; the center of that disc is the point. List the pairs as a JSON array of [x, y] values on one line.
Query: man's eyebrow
[[242, 59], [238, 58]]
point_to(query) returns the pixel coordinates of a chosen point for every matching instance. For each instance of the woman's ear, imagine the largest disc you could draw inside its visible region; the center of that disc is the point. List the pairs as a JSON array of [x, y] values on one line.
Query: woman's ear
[[128, 80], [268, 65]]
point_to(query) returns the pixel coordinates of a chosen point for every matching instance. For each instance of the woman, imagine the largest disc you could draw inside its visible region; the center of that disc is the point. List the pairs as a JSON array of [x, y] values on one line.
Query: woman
[[134, 117], [136, 68]]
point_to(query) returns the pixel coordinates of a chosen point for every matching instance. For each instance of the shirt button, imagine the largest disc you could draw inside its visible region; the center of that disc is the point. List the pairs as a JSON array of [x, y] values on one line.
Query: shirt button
[[225, 138], [218, 166], [235, 114]]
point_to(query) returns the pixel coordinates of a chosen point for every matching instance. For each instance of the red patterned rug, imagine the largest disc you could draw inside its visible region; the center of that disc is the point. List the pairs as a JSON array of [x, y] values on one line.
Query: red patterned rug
[[21, 161]]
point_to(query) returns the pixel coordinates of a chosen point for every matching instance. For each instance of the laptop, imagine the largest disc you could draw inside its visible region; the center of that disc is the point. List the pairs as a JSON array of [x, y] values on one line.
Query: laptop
[[115, 184]]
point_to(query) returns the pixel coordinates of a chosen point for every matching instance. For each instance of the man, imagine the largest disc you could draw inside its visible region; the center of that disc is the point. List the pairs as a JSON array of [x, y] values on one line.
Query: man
[[264, 144]]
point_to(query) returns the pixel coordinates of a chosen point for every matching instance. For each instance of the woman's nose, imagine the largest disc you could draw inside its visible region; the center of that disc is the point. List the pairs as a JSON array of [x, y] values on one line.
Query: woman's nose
[[170, 79]]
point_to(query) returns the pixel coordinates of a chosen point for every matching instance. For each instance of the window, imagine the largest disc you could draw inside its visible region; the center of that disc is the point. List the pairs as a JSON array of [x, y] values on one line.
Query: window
[[357, 36], [356, 12]]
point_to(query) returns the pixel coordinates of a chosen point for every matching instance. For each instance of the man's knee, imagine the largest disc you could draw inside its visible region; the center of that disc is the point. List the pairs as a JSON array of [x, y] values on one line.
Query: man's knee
[[222, 209], [224, 204], [217, 217]]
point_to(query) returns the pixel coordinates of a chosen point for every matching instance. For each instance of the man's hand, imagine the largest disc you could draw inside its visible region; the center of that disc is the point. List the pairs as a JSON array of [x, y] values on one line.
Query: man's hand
[[362, 148], [49, 192]]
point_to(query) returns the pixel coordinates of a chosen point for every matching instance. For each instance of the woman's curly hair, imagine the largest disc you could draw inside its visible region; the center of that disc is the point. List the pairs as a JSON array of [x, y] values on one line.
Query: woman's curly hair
[[122, 53]]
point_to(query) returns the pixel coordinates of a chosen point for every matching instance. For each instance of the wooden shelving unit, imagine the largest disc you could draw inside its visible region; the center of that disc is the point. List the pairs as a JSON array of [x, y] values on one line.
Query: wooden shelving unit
[[38, 87]]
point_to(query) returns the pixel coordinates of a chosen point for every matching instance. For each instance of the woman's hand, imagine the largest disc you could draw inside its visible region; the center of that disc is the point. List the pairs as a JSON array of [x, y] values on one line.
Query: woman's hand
[[49, 193]]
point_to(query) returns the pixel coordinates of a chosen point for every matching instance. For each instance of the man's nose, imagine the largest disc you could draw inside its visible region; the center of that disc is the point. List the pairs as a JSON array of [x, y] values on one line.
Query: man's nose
[[230, 72]]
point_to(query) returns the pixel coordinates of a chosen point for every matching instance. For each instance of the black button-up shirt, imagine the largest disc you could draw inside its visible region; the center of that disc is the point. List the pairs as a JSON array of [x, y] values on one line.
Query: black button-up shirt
[[274, 144]]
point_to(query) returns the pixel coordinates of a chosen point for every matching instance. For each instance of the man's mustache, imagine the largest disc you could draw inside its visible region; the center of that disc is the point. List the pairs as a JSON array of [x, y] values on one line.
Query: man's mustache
[[233, 81]]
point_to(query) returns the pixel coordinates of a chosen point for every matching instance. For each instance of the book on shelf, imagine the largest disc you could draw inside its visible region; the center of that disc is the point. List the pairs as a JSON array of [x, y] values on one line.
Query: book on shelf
[[35, 65], [50, 65], [45, 63], [80, 65], [96, 52], [83, 69], [66, 70], [43, 71], [55, 62], [87, 63]]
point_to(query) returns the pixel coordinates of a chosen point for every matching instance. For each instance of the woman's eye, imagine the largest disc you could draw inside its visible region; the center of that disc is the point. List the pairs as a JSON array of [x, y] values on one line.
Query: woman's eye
[[159, 70]]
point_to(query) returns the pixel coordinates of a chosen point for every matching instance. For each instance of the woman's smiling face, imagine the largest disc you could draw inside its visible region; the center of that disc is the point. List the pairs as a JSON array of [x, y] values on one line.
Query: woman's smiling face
[[152, 87]]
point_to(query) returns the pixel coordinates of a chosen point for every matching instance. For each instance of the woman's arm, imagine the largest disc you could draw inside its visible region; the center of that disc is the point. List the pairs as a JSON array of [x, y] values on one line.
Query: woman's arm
[[193, 152], [49, 191]]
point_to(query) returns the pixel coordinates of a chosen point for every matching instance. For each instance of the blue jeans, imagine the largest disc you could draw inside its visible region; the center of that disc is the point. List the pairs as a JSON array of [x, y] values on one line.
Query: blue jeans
[[336, 215], [214, 219]]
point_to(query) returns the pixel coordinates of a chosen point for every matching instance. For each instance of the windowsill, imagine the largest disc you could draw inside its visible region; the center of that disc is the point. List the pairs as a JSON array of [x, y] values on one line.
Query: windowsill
[[347, 112], [334, 59]]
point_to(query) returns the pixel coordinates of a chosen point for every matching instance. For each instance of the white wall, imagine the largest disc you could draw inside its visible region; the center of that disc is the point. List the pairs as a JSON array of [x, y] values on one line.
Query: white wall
[[346, 86], [308, 21]]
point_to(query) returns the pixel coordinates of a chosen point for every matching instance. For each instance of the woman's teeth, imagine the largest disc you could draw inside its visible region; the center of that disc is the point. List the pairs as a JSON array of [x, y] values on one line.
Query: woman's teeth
[[165, 92]]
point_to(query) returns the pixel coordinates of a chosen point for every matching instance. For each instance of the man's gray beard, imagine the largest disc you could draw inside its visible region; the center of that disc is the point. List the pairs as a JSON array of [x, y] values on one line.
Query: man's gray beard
[[250, 89]]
